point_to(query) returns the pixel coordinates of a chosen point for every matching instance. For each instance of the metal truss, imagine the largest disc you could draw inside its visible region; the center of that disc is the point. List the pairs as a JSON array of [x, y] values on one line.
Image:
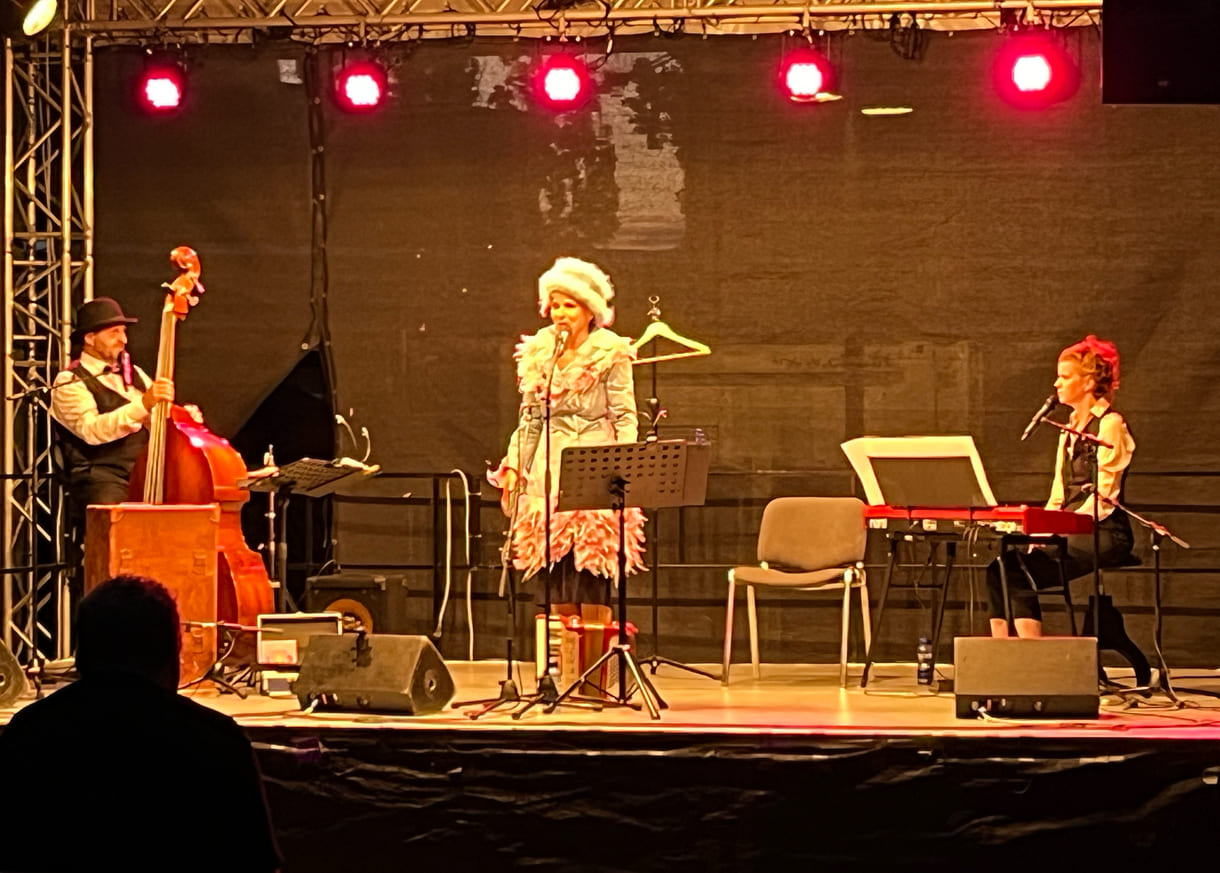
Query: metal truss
[[392, 20], [48, 249]]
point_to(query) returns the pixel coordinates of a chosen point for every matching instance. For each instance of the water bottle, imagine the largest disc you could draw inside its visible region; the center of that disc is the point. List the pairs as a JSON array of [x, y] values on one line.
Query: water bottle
[[923, 661]]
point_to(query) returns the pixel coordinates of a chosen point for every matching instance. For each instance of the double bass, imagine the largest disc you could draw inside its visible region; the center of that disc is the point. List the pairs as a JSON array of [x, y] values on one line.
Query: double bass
[[186, 463]]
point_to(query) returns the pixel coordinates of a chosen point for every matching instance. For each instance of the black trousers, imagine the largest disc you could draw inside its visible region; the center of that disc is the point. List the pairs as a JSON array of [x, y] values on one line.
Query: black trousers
[[1030, 572]]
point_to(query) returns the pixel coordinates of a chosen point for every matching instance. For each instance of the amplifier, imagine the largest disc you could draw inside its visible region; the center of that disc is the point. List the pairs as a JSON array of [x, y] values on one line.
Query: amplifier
[[1051, 677], [371, 602]]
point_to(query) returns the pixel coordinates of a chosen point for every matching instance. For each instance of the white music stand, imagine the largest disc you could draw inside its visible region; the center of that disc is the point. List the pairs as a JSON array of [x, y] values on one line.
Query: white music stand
[[941, 471]]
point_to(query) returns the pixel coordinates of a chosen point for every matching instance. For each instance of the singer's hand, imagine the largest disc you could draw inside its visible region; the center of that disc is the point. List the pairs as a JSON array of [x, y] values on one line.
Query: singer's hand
[[505, 478], [507, 492], [162, 390]]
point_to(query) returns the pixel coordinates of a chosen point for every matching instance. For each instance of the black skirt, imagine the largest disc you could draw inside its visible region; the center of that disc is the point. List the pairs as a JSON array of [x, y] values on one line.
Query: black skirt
[[563, 583]]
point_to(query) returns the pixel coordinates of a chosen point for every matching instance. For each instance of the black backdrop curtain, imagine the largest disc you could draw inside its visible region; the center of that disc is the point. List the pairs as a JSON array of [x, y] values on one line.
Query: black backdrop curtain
[[853, 274]]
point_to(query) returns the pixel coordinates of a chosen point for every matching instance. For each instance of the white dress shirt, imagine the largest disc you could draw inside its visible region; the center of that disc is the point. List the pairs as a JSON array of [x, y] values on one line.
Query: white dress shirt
[[74, 406]]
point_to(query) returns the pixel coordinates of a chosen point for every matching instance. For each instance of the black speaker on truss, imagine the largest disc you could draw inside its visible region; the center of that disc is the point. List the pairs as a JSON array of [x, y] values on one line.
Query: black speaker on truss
[[1159, 51]]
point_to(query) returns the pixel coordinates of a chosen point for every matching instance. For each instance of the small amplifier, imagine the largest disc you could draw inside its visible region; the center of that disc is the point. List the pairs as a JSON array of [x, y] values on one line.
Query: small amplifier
[[283, 639], [1049, 677]]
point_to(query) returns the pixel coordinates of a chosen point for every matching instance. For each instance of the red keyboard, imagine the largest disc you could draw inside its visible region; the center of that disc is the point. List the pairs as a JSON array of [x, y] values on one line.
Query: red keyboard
[[1022, 519]]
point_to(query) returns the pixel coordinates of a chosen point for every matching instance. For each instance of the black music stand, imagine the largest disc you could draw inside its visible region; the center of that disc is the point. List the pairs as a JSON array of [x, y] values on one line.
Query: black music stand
[[308, 477], [657, 475]]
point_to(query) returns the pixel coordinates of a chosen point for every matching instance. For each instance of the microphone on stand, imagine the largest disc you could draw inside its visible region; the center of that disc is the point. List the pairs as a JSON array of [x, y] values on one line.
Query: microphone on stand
[[1047, 405], [561, 341], [126, 369]]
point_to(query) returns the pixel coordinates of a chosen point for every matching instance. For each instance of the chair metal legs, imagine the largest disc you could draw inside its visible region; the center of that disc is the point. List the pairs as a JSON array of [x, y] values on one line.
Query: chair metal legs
[[853, 578], [728, 631]]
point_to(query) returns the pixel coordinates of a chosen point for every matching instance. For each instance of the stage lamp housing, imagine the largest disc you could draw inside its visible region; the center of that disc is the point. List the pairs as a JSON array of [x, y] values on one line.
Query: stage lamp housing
[[361, 86], [562, 82], [1033, 71], [806, 75], [26, 18]]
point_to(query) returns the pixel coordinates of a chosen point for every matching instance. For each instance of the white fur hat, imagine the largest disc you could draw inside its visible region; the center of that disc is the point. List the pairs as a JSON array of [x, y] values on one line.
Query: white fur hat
[[582, 281]]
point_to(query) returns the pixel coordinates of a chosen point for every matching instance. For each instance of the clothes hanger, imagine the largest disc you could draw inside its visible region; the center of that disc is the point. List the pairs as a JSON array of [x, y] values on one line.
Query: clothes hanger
[[658, 329]]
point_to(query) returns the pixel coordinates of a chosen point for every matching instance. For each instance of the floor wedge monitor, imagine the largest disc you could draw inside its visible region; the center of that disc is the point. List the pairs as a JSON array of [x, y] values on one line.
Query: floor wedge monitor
[[375, 673], [1051, 677]]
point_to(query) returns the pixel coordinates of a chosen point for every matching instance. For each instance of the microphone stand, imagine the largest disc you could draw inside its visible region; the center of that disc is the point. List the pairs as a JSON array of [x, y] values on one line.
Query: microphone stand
[[547, 691], [1157, 534], [508, 686]]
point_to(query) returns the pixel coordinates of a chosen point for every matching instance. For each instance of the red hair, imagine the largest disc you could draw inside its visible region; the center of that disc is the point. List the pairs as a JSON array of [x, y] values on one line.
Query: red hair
[[1097, 358]]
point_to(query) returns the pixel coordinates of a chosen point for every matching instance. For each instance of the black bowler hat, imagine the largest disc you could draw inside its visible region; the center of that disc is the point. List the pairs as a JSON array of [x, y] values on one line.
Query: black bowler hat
[[99, 314]]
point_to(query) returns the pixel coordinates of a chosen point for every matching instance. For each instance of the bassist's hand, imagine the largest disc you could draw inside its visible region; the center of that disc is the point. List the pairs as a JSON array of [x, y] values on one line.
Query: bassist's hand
[[160, 390]]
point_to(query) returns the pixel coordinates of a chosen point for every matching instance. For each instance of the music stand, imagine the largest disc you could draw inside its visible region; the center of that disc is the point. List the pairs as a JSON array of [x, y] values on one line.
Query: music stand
[[657, 475], [308, 477]]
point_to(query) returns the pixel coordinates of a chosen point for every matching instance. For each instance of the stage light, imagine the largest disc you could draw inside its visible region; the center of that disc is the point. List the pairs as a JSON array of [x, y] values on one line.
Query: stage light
[[361, 86], [806, 76], [162, 87], [1032, 71], [562, 82], [20, 18]]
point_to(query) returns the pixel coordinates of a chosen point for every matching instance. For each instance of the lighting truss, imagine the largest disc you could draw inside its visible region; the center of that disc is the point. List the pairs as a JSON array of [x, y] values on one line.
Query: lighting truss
[[48, 252], [388, 20]]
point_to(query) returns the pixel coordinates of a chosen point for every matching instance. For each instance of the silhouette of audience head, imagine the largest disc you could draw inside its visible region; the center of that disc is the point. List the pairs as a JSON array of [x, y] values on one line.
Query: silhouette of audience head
[[129, 625]]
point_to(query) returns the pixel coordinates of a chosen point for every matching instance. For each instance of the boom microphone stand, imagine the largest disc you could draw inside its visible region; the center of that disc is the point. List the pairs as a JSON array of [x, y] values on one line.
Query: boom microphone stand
[[509, 695], [1158, 533]]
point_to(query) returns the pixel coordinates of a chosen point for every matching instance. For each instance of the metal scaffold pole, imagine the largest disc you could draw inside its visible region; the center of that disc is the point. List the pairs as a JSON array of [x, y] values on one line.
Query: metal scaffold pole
[[48, 244]]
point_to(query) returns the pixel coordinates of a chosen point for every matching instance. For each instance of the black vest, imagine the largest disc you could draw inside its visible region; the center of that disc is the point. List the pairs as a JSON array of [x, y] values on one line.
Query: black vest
[[108, 462], [1078, 468]]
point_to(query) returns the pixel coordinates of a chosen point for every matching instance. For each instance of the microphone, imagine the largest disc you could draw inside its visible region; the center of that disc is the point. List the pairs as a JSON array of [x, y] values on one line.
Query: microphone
[[126, 369], [1047, 405], [561, 341]]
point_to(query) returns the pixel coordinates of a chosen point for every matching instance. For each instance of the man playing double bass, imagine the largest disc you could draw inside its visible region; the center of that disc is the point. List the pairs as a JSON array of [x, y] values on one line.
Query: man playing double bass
[[101, 404]]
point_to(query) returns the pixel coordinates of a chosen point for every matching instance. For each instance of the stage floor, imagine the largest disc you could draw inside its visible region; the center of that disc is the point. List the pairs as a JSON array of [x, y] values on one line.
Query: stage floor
[[788, 698]]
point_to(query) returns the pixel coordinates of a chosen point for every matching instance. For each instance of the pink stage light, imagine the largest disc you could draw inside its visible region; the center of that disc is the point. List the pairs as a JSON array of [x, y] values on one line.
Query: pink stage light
[[562, 82], [361, 87], [1031, 72], [162, 88], [804, 75]]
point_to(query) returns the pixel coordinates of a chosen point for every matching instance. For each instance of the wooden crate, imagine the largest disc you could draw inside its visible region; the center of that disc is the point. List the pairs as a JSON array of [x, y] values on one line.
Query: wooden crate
[[174, 544]]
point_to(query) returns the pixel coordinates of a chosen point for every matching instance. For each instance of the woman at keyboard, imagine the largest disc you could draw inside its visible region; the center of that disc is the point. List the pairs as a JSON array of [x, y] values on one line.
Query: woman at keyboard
[[1087, 378]]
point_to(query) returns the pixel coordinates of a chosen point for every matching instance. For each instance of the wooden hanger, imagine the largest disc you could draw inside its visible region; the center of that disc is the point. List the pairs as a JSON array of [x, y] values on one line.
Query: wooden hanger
[[658, 329]]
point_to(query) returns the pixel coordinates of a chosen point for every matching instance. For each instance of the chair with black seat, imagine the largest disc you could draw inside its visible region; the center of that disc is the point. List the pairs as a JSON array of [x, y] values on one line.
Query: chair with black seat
[[813, 544]]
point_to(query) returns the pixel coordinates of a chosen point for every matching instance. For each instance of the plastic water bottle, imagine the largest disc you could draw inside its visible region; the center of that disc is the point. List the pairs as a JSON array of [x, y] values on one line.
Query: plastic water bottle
[[923, 661]]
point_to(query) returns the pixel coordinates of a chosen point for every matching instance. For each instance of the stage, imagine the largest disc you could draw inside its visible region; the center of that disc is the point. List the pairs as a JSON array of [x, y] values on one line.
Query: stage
[[784, 771]]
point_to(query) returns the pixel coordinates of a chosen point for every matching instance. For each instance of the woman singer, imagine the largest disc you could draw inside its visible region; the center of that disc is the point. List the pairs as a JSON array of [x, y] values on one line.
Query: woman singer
[[1087, 378], [582, 370]]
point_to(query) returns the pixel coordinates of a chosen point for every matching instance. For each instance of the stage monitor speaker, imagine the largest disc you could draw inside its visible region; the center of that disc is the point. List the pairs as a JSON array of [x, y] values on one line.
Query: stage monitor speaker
[[367, 601], [12, 678], [1159, 51], [1051, 677], [374, 672]]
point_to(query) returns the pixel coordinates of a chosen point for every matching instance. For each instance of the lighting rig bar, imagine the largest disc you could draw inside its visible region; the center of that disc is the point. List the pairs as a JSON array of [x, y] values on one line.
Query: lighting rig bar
[[381, 20]]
